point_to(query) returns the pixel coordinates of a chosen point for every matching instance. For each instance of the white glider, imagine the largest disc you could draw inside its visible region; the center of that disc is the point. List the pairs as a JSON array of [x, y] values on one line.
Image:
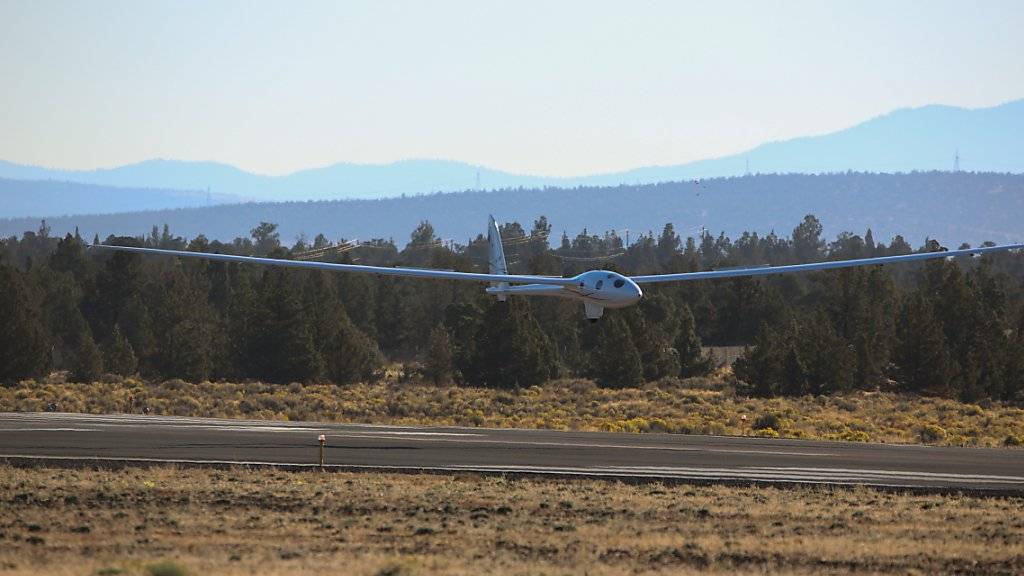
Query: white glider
[[597, 289]]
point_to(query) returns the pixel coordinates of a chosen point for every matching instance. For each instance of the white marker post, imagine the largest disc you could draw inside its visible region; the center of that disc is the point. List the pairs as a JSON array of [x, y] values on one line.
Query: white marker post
[[323, 440]]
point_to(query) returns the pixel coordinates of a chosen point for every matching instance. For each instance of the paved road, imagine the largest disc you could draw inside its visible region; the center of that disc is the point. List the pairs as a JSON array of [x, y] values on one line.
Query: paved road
[[700, 458]]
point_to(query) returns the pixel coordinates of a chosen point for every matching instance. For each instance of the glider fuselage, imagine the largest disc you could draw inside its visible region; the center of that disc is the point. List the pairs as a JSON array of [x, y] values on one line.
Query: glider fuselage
[[597, 289]]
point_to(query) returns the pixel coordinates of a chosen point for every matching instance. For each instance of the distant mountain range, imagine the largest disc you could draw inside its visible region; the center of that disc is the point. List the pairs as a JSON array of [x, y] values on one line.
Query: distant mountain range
[[947, 206], [927, 138], [41, 198]]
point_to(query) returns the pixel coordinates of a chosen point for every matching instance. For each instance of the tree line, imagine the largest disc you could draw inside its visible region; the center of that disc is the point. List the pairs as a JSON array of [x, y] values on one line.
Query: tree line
[[950, 328], [951, 205]]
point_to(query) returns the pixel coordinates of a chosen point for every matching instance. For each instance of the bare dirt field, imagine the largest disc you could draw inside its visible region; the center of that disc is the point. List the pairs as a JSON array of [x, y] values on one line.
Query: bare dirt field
[[164, 521]]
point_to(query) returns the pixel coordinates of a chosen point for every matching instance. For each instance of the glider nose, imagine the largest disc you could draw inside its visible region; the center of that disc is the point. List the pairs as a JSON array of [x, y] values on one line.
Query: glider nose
[[637, 292]]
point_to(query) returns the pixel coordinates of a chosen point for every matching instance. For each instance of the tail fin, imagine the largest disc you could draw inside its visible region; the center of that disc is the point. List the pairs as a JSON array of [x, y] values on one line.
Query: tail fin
[[496, 255]]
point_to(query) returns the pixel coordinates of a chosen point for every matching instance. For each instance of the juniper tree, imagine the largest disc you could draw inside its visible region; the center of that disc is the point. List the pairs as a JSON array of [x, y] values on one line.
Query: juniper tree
[[347, 354], [653, 325], [828, 360], [794, 374], [120, 357], [616, 362], [692, 360], [511, 350], [761, 365], [462, 322], [438, 364], [87, 365]]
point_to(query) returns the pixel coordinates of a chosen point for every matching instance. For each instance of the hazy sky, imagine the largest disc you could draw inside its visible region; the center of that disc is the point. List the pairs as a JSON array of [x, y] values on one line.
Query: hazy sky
[[554, 88]]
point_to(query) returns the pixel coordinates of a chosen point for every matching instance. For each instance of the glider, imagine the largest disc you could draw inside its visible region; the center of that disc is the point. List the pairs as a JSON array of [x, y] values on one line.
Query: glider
[[597, 289]]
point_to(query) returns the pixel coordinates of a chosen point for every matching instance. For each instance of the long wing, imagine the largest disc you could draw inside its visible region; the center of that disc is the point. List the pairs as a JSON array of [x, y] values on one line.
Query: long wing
[[382, 270], [767, 270]]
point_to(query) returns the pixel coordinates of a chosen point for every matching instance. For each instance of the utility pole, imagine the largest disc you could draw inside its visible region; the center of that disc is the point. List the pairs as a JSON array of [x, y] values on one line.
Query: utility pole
[[956, 161]]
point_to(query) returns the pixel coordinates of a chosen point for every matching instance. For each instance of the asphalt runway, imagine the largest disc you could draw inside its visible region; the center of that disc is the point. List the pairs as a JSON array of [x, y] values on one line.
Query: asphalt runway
[[67, 438]]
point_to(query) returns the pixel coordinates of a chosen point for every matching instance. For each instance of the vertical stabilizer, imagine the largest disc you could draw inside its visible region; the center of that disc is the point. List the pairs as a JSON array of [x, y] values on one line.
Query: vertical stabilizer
[[496, 255]]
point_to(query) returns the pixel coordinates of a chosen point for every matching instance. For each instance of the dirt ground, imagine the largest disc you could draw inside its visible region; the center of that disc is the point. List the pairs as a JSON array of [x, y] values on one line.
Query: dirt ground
[[168, 521]]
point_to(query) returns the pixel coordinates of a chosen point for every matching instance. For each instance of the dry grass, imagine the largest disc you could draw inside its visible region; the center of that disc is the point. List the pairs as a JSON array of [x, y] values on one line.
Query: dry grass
[[699, 406], [241, 521]]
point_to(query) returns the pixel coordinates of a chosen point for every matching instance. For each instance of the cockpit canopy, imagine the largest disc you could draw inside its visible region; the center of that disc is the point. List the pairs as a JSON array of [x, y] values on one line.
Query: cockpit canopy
[[602, 280]]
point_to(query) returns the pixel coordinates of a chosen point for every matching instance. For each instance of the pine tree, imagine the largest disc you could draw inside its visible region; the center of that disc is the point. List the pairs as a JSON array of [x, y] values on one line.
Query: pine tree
[[24, 347], [358, 293], [920, 357], [860, 304], [668, 245], [389, 314], [136, 324], [60, 302], [462, 321], [70, 257], [1013, 391], [118, 281], [184, 323], [266, 239], [280, 346], [807, 243], [654, 323]]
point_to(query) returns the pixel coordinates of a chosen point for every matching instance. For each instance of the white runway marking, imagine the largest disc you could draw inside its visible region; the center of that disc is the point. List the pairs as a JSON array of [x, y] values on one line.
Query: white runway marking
[[866, 477], [378, 431], [908, 473], [244, 428], [540, 452], [112, 421], [49, 429], [505, 441], [379, 434], [760, 473]]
